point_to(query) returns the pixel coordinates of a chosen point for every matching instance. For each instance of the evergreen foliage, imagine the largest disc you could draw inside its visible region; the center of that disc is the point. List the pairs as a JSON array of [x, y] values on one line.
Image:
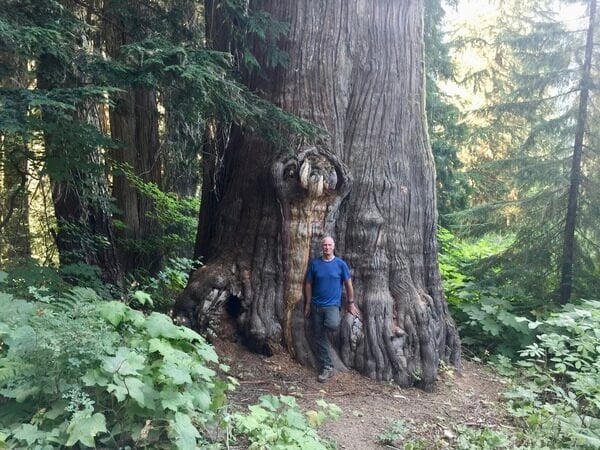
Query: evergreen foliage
[[63, 44], [490, 317], [530, 77], [445, 128]]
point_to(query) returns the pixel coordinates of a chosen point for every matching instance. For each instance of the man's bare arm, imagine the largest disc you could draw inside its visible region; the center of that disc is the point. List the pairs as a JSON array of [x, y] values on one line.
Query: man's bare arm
[[307, 298], [350, 305]]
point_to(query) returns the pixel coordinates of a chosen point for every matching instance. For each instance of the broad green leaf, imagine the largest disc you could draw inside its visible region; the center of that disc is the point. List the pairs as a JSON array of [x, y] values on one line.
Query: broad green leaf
[[589, 439], [125, 362], [165, 348], [173, 400], [21, 392], [29, 433], [184, 431], [178, 374], [136, 389], [207, 352], [203, 372], [118, 390], [160, 325], [270, 402], [295, 418], [135, 317], [188, 334], [491, 326], [113, 311], [84, 428], [131, 387], [201, 397], [161, 346], [143, 298], [95, 377]]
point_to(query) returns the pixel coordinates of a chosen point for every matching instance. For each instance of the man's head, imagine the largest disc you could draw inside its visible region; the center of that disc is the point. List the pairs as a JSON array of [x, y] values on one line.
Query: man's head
[[327, 246]]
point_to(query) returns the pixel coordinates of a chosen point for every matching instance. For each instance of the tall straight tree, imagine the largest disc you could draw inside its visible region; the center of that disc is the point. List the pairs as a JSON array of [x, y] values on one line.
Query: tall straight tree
[[566, 275], [356, 69], [84, 231], [446, 129], [533, 141], [15, 242], [134, 122], [63, 108], [184, 125]]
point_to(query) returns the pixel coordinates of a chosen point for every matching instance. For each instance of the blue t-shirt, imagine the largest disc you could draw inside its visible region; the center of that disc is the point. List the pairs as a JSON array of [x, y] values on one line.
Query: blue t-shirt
[[327, 279]]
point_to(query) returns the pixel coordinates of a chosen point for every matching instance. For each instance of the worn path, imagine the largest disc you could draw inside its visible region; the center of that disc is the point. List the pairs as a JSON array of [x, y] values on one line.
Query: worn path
[[369, 407]]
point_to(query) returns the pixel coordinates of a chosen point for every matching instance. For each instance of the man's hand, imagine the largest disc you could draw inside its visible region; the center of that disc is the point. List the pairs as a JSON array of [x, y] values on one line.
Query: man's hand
[[352, 309], [307, 310]]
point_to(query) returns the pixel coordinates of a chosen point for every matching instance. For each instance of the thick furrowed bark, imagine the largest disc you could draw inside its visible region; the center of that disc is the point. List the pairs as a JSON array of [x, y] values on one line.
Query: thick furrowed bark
[[356, 70]]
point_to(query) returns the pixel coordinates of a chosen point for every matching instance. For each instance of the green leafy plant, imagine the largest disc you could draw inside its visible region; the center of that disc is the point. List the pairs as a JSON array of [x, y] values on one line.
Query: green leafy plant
[[278, 423], [557, 400], [75, 369], [481, 439], [395, 431], [489, 317], [163, 289]]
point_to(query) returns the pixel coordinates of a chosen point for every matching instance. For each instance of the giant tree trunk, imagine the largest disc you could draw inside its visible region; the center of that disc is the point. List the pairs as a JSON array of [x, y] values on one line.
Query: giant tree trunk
[[356, 70]]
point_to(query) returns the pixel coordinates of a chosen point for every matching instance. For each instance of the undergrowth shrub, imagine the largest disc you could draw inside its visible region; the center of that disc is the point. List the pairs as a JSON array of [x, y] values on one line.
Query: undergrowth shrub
[[75, 370], [78, 371], [489, 318], [277, 423], [167, 284], [557, 399]]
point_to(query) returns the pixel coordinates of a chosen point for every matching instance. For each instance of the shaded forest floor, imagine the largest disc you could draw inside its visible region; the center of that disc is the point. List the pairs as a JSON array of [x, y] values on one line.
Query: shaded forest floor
[[369, 407]]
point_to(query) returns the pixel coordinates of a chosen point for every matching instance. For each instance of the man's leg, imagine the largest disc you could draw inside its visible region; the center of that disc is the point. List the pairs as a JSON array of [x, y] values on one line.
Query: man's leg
[[325, 319], [332, 318], [319, 315]]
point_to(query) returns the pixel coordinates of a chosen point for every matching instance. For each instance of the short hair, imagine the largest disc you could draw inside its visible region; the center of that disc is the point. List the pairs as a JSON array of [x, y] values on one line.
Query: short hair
[[327, 237]]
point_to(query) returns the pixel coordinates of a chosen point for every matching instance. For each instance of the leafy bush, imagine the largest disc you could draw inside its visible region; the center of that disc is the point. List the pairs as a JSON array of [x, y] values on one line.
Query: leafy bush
[[170, 281], [489, 318], [481, 439], [558, 396], [277, 423], [395, 431], [77, 370]]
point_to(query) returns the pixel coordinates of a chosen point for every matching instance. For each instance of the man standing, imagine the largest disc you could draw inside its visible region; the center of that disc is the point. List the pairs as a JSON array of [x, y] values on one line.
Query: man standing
[[322, 299]]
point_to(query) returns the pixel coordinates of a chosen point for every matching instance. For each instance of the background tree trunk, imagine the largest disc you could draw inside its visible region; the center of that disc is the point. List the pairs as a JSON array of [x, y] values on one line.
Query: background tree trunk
[[15, 241], [356, 70], [566, 273], [84, 229], [134, 127]]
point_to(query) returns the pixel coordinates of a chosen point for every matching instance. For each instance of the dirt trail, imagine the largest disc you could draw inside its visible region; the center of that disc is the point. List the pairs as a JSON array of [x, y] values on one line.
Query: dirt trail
[[369, 407]]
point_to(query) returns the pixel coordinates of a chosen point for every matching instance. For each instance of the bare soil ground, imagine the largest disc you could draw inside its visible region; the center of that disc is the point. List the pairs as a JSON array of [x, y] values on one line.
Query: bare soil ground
[[369, 407]]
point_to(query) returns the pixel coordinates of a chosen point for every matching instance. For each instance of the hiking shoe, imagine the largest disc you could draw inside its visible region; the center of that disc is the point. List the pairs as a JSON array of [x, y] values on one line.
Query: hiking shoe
[[325, 374]]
